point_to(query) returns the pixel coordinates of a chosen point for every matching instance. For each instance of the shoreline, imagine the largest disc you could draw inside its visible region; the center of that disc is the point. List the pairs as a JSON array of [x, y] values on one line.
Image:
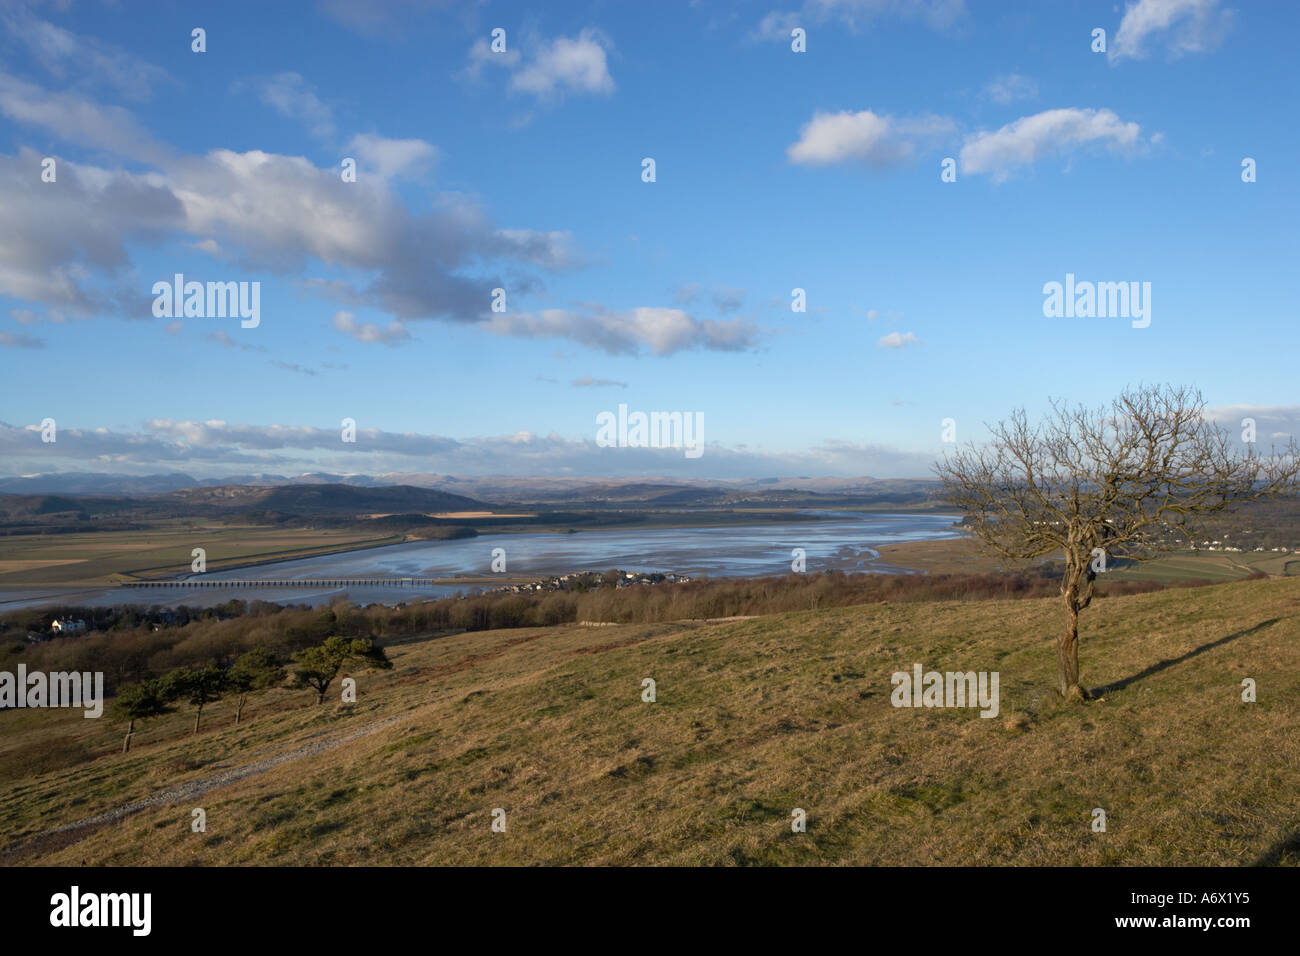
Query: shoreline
[[873, 559]]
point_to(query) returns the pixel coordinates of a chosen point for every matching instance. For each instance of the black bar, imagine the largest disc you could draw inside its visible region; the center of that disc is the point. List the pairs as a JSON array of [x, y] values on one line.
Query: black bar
[[924, 906]]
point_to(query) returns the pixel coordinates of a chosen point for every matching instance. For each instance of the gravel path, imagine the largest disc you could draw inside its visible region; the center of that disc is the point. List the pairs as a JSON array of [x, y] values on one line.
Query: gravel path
[[196, 788]]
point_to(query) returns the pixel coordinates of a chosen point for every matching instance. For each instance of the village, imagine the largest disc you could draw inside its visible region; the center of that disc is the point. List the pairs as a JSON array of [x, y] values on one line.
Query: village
[[591, 580]]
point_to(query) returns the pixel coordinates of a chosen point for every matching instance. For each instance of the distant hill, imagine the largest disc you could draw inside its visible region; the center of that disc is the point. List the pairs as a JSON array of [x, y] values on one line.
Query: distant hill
[[331, 499], [500, 488], [642, 493], [795, 492], [91, 483], [17, 507], [26, 513], [117, 497]]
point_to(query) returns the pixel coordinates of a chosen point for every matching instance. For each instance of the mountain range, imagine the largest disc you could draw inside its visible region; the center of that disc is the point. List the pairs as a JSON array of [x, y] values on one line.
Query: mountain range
[[501, 488]]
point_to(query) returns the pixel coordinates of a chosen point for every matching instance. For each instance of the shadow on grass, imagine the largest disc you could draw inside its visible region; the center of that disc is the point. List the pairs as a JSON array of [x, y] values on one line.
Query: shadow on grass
[[33, 848], [1171, 661], [1285, 853]]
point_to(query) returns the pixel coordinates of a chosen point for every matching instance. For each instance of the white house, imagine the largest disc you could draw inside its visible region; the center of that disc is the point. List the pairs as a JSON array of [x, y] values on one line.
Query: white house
[[67, 626]]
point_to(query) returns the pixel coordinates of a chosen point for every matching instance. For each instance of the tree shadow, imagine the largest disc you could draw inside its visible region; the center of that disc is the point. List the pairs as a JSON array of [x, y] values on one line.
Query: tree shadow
[[1171, 661], [1287, 851]]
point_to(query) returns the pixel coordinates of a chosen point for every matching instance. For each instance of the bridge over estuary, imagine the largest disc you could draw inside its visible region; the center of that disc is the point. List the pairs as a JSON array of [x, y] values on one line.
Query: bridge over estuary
[[316, 583]]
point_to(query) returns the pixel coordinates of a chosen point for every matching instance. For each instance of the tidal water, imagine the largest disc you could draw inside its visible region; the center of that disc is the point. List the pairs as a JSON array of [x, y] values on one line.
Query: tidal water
[[841, 540]]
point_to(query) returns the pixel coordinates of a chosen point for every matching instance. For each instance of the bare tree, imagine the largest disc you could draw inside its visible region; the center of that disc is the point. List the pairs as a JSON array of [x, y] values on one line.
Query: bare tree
[[1093, 483]]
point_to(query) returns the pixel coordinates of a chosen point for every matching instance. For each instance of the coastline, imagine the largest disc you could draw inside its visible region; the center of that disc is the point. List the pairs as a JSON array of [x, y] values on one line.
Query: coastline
[[751, 550]]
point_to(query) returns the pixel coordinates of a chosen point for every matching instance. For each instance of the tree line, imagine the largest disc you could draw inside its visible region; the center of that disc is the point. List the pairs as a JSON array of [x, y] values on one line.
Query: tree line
[[135, 655], [254, 670]]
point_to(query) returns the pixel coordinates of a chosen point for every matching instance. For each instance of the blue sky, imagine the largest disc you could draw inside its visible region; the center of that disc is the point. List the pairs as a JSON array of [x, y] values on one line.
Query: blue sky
[[522, 170]]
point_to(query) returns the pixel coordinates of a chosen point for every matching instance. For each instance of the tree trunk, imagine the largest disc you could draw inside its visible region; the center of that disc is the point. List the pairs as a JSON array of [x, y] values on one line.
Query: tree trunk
[[130, 729], [239, 708], [197, 715], [1067, 660]]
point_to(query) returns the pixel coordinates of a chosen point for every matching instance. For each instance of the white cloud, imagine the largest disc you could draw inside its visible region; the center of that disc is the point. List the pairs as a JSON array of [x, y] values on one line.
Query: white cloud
[[1052, 131], [75, 119], [216, 448], [55, 242], [68, 248], [661, 331], [566, 65], [777, 25], [550, 250], [290, 212], [937, 14], [481, 55], [291, 96], [863, 137], [389, 158], [895, 341], [1187, 26], [265, 212], [588, 382], [395, 331], [1277, 422], [65, 54]]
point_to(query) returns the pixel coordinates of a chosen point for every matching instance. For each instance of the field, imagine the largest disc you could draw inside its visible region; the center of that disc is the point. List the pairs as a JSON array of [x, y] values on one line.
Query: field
[[952, 556], [967, 556], [753, 719], [108, 557], [1209, 566]]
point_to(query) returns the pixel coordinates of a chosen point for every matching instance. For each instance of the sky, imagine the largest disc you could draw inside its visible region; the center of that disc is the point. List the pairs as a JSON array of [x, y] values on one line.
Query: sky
[[920, 169]]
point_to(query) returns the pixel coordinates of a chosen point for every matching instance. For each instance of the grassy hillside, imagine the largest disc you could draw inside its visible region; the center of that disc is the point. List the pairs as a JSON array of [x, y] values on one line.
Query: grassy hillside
[[754, 718], [325, 499]]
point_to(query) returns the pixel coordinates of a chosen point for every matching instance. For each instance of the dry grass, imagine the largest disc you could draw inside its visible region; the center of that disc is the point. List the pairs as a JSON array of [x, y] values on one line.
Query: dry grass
[[28, 564], [105, 557], [965, 555], [753, 719]]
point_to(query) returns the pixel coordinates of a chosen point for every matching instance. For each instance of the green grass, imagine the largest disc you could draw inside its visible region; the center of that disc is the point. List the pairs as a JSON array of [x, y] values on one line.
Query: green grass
[[967, 556], [1205, 566], [753, 719]]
